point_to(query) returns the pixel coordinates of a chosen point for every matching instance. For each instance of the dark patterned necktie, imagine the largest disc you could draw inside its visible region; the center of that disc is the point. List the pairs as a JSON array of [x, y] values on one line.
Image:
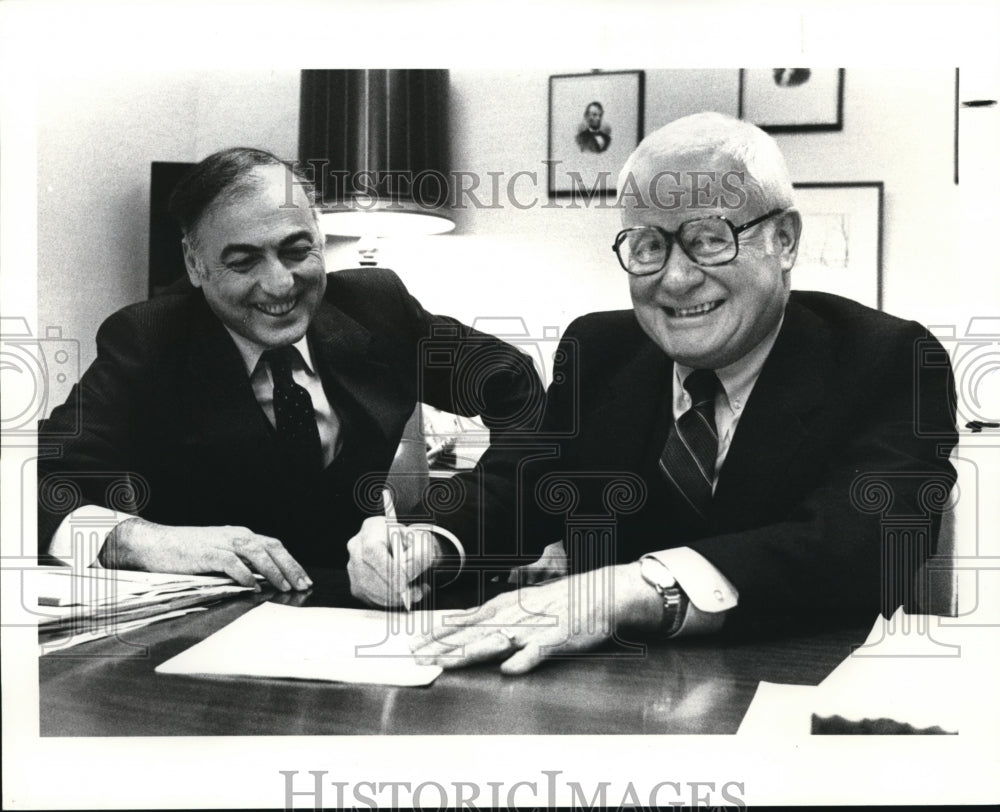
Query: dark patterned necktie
[[295, 420], [688, 458]]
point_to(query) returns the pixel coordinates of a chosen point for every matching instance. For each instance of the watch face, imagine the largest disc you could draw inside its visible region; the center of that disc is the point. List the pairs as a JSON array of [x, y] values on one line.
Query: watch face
[[656, 573]]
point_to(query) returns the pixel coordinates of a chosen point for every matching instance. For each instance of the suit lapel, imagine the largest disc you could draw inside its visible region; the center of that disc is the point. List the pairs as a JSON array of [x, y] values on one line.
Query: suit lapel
[[351, 362], [776, 419], [628, 411], [348, 359], [221, 399]]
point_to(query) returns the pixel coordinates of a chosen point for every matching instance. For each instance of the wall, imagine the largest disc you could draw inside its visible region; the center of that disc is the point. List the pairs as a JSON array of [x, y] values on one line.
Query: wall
[[547, 265], [98, 132], [543, 264]]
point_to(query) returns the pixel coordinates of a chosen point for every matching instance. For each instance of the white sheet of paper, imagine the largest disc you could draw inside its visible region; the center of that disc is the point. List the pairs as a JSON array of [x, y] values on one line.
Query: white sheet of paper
[[340, 645], [779, 711], [903, 672], [906, 671]]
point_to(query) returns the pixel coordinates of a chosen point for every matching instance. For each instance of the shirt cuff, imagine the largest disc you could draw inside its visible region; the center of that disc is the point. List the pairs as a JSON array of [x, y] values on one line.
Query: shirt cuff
[[710, 594], [449, 539], [80, 537]]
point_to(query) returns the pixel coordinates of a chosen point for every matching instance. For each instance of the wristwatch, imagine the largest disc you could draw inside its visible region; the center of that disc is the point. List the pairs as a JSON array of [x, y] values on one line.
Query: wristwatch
[[675, 602]]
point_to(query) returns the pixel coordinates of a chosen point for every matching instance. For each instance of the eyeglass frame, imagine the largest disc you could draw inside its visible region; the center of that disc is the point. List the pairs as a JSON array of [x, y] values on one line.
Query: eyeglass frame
[[671, 237]]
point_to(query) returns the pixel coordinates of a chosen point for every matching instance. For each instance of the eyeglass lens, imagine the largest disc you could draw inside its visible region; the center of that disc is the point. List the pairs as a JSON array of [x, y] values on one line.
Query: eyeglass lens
[[708, 242]]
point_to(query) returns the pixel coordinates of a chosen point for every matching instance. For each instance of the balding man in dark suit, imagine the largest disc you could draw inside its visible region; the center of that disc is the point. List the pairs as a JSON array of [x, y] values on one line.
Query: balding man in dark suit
[[242, 425]]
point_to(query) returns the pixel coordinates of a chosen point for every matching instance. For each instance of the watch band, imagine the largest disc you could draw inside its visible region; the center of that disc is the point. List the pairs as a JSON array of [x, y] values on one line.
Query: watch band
[[675, 602]]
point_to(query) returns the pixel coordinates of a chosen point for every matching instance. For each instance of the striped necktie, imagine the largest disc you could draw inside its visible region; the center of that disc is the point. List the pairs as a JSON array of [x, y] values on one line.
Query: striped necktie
[[294, 418], [688, 458]]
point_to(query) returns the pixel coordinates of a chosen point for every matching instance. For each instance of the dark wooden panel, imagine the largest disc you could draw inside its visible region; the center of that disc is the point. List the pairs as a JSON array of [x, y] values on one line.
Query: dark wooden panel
[[166, 259]]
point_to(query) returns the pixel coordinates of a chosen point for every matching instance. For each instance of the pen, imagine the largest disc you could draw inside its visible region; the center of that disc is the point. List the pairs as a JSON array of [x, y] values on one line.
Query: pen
[[395, 540]]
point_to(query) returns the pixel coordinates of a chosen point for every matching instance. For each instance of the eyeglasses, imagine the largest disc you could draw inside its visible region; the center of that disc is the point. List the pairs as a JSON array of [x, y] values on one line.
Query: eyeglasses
[[707, 241]]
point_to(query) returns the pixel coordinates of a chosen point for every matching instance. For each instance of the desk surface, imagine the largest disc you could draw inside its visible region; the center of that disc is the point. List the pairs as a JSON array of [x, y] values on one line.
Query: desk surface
[[109, 688]]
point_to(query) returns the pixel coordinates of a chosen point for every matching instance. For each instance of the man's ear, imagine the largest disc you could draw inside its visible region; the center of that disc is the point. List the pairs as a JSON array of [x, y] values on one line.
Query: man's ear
[[787, 230], [191, 263]]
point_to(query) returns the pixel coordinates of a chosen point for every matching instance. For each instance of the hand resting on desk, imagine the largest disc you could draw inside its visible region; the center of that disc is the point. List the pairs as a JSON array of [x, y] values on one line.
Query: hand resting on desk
[[564, 616], [236, 551]]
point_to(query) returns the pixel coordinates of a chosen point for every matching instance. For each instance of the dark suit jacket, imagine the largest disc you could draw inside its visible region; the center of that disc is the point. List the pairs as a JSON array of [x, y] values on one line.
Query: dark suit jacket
[[840, 451], [164, 423], [586, 140]]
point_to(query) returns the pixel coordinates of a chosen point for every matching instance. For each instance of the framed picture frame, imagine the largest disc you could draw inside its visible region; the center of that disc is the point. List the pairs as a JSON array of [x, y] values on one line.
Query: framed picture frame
[[595, 121], [791, 100], [840, 250]]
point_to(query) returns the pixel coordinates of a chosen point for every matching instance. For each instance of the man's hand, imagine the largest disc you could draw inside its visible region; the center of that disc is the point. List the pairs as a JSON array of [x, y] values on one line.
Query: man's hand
[[236, 551], [377, 576], [558, 617], [551, 564]]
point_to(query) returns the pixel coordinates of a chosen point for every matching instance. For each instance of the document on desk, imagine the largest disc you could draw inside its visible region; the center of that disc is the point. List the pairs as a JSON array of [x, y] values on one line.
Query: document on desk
[[902, 680], [364, 646], [93, 587], [79, 606], [59, 641]]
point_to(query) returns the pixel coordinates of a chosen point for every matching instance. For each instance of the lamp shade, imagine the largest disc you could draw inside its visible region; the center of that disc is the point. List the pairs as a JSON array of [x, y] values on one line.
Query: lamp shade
[[377, 145]]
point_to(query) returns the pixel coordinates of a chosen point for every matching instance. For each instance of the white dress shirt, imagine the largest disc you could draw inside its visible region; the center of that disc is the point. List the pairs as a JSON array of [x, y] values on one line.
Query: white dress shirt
[[305, 376], [709, 591]]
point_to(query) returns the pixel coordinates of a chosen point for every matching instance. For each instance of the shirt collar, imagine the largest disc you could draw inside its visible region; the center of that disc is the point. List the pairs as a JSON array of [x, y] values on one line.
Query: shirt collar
[[251, 351], [738, 378]]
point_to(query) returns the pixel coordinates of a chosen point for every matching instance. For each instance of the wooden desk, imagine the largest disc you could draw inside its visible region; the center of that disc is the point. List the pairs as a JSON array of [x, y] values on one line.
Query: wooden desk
[[109, 688]]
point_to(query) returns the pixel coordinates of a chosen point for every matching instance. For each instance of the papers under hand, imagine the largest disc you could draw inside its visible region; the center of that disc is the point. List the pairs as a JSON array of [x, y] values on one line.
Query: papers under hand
[[74, 607], [70, 638], [62, 586], [339, 645]]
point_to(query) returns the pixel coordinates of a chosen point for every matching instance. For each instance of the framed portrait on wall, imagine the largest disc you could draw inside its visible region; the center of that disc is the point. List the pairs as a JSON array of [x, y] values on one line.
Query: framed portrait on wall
[[840, 250], [595, 121], [787, 100]]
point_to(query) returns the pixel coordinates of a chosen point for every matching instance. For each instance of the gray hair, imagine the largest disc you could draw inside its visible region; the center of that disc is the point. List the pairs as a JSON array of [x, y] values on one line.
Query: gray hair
[[741, 146], [225, 175]]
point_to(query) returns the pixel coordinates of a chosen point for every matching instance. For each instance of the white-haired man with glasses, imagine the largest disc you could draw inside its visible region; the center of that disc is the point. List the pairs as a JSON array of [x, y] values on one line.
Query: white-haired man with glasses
[[715, 440]]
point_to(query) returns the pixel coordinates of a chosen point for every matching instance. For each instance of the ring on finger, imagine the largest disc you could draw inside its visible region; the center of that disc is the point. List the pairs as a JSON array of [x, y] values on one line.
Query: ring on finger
[[511, 638]]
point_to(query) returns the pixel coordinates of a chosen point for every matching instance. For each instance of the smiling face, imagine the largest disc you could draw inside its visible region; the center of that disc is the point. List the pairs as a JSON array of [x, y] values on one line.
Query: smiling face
[[710, 317], [260, 265]]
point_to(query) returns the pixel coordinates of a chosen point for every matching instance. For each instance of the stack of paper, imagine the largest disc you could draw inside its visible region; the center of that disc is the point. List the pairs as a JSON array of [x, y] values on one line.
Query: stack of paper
[[901, 680], [341, 645], [907, 677], [75, 607]]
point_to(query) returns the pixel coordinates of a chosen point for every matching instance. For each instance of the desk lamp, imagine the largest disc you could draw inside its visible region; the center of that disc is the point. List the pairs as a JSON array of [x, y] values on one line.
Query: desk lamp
[[377, 143]]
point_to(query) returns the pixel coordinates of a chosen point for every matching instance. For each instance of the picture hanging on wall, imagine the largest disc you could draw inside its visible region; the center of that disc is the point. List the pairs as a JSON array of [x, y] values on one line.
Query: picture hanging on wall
[[595, 121], [788, 100], [840, 250]]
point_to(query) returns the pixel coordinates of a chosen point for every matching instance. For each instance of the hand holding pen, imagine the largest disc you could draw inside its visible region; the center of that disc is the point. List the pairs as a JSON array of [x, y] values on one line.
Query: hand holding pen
[[386, 558], [394, 540]]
